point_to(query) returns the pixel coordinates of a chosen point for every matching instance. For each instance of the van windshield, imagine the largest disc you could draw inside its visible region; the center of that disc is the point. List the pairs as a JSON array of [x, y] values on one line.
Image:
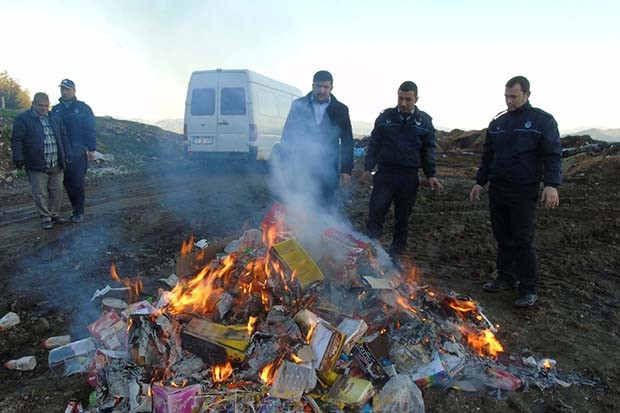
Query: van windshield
[[203, 101], [233, 101]]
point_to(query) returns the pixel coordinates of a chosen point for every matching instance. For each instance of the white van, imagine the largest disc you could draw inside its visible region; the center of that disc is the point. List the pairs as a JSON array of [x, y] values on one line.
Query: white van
[[235, 113]]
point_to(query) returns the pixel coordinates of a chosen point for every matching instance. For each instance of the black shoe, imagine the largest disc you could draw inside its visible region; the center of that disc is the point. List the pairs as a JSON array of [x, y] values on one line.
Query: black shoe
[[59, 220], [77, 218], [47, 224], [526, 301], [496, 286]]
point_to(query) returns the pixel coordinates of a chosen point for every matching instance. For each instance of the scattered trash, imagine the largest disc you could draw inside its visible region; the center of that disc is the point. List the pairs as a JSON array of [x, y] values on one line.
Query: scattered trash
[[56, 341], [10, 319], [25, 363]]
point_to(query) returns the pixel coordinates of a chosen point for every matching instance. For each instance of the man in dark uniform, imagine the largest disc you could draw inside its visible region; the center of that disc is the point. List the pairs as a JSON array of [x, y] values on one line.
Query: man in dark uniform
[[522, 148], [80, 122], [317, 143], [402, 141]]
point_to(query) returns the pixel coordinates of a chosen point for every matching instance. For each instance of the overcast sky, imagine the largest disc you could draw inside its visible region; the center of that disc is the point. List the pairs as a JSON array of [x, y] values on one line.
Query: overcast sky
[[133, 58]]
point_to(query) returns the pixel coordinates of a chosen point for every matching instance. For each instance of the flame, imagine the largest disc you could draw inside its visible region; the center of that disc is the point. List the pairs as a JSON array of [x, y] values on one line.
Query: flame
[[251, 324], [310, 332], [296, 358], [463, 306], [222, 373], [483, 342], [187, 246], [113, 273], [266, 373], [403, 303], [546, 364]]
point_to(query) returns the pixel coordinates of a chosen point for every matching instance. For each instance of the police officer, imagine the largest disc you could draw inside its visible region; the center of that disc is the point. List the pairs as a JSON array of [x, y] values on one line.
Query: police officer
[[522, 148], [402, 141], [80, 123]]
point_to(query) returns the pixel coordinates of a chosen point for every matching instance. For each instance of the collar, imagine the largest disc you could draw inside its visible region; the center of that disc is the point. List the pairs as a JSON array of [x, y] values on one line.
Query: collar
[[314, 101]]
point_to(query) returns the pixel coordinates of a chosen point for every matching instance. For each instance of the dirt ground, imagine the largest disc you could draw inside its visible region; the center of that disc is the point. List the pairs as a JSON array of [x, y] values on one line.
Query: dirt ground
[[139, 221]]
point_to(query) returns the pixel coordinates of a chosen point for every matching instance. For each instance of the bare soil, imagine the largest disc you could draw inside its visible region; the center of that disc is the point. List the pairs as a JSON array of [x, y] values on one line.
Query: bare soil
[[138, 222]]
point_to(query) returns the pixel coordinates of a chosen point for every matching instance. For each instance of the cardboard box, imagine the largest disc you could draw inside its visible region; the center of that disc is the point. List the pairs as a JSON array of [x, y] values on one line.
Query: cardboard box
[[351, 391], [353, 330], [297, 265], [344, 257], [326, 341], [175, 399], [292, 380], [110, 330], [214, 342]]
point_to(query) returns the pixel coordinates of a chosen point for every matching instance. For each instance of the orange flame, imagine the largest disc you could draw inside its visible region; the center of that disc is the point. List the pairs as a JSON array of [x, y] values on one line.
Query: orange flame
[[296, 358], [483, 342], [251, 324], [266, 373], [222, 373], [310, 332], [113, 273], [403, 303], [187, 246]]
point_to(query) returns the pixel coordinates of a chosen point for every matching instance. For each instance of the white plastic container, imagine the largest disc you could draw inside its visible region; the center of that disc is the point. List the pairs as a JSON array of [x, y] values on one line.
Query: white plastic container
[[24, 363], [56, 341], [9, 320]]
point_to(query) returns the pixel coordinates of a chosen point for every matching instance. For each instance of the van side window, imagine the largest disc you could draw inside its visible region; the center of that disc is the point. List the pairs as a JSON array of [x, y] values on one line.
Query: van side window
[[203, 101], [233, 101]]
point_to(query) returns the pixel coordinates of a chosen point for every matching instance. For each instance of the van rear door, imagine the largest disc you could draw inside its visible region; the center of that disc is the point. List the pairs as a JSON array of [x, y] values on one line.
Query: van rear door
[[232, 112], [201, 123]]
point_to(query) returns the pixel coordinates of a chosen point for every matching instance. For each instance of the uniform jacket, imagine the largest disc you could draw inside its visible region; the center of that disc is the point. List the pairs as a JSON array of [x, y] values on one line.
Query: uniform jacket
[[80, 123], [27, 141], [522, 147], [328, 144], [397, 144]]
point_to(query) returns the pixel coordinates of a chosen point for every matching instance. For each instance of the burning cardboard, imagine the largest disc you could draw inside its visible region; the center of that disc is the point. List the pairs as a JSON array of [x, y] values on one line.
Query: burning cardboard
[[297, 266]]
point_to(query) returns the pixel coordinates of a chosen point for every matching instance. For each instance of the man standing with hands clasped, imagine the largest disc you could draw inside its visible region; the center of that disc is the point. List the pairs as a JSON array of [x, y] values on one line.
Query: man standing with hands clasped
[[522, 148], [80, 123], [401, 142]]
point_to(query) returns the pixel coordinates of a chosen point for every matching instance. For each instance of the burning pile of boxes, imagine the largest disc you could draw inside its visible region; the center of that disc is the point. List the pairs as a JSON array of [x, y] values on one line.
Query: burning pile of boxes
[[272, 326]]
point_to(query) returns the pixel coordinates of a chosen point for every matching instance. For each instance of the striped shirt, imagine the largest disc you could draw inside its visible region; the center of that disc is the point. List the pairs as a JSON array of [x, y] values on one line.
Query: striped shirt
[[49, 140]]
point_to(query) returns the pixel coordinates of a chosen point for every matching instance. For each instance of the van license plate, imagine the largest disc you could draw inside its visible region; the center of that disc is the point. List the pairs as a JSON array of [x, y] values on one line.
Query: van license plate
[[201, 140]]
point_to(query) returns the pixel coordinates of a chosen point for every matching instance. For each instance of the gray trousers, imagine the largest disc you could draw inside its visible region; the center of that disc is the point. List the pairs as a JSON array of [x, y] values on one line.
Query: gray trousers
[[47, 191]]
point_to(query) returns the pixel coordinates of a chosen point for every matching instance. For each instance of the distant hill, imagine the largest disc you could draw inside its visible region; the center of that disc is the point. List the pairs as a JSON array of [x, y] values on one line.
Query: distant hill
[[609, 135]]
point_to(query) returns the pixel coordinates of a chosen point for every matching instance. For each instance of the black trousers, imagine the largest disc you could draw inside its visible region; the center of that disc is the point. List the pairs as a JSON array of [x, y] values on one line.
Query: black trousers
[[75, 173], [513, 209], [398, 187]]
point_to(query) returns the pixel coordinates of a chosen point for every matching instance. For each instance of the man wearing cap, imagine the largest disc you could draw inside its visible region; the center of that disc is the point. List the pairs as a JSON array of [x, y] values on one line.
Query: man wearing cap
[[80, 123]]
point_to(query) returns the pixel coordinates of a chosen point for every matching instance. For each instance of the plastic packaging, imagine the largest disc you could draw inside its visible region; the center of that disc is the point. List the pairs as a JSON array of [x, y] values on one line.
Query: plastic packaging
[[25, 363], [77, 356], [56, 341], [399, 395], [9, 320]]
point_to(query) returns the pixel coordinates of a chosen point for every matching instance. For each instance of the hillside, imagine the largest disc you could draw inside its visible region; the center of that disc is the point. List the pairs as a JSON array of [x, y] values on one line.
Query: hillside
[[130, 143]]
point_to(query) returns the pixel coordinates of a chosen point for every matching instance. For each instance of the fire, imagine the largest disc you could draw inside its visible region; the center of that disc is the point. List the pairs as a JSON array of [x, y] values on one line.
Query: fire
[[187, 246], [296, 358], [113, 273], [222, 373], [310, 333], [251, 324], [403, 303], [463, 306], [483, 342], [266, 373]]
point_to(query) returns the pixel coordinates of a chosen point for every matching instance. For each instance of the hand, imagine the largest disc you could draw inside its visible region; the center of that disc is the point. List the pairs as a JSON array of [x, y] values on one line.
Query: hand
[[345, 179], [474, 195], [435, 184], [20, 164], [550, 198], [90, 155]]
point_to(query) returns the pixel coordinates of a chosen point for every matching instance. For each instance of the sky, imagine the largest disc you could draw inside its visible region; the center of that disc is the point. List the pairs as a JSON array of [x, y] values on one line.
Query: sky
[[132, 59]]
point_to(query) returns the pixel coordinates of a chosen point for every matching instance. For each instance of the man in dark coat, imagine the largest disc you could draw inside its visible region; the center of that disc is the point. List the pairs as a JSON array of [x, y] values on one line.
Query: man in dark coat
[[317, 143], [402, 142], [39, 144], [80, 123], [521, 150]]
